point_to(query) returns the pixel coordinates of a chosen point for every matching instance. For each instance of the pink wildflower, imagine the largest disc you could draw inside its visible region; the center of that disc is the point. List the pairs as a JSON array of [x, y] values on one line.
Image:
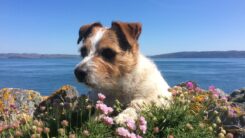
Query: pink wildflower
[[104, 108], [198, 89], [224, 98], [142, 121], [231, 113], [130, 123], [190, 85], [108, 120], [215, 95], [123, 132], [142, 124], [110, 110], [143, 128], [132, 135], [138, 136], [101, 96], [101, 107], [211, 88], [214, 91]]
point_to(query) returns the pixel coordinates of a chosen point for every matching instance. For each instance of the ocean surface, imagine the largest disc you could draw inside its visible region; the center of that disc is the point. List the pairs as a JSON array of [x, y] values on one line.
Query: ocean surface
[[47, 75]]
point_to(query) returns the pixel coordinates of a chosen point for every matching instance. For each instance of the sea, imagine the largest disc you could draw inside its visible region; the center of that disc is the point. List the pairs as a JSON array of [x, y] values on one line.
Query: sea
[[46, 75]]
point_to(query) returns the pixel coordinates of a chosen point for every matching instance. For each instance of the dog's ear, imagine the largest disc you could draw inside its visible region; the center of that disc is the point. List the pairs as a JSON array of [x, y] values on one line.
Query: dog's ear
[[85, 30], [128, 34]]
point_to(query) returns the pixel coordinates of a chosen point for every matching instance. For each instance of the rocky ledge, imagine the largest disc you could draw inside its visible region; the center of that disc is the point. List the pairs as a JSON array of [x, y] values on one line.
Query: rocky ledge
[[238, 97], [17, 104]]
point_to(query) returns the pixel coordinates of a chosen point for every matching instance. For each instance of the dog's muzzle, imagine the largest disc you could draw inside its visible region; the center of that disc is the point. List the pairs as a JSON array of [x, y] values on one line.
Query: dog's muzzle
[[80, 74]]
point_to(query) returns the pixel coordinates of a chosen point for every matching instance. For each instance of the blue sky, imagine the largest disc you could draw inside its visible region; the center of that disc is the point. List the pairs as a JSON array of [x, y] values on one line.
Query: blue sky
[[51, 26]]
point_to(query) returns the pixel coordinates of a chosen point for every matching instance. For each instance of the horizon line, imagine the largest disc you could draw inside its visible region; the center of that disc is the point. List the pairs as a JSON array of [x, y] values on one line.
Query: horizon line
[[35, 53]]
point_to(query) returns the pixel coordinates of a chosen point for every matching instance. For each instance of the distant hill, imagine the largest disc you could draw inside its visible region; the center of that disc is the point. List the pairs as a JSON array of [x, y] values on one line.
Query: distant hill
[[203, 54], [25, 55], [193, 54]]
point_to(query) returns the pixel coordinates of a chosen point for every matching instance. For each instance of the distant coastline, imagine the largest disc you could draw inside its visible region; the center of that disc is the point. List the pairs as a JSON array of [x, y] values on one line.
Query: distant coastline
[[203, 54], [192, 54], [34, 55]]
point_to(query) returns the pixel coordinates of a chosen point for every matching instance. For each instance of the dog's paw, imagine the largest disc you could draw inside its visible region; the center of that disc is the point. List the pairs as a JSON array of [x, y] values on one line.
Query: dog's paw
[[126, 114], [120, 119]]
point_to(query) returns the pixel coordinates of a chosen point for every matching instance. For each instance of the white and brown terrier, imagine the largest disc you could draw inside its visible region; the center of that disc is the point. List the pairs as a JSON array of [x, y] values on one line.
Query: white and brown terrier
[[113, 64]]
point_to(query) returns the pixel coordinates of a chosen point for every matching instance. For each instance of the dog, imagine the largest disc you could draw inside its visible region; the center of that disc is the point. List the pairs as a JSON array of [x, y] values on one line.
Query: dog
[[113, 64]]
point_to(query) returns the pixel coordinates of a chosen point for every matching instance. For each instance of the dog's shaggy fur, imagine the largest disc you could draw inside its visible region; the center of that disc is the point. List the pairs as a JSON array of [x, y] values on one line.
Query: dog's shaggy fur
[[113, 65]]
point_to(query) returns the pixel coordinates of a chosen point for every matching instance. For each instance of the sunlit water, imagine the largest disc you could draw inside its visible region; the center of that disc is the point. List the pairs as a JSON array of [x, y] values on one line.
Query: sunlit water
[[47, 75]]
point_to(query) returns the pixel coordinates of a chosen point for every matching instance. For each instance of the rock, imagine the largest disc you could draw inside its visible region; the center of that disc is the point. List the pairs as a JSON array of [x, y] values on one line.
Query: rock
[[235, 121], [238, 132], [243, 90], [238, 96], [17, 104], [63, 97], [231, 127], [241, 105], [64, 104], [242, 119], [236, 125], [234, 93], [233, 117]]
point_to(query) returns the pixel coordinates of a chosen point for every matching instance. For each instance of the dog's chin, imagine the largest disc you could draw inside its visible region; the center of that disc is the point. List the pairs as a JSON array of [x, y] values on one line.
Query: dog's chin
[[86, 83], [98, 85], [90, 85]]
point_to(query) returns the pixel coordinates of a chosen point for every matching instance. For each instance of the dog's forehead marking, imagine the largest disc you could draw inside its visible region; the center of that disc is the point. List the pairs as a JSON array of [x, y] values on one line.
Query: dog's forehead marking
[[97, 36], [94, 39]]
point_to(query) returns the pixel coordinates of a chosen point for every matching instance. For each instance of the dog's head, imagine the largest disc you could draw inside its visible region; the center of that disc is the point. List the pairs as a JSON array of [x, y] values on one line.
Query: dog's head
[[108, 53]]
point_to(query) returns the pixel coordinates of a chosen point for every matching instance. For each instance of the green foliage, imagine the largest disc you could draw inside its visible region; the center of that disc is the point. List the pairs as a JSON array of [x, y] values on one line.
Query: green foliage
[[81, 122], [99, 130], [177, 120]]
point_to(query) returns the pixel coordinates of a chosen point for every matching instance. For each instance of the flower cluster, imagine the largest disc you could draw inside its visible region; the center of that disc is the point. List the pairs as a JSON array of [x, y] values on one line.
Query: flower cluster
[[107, 120], [104, 109], [217, 93], [132, 128], [125, 133], [190, 85], [194, 112], [142, 124], [212, 103]]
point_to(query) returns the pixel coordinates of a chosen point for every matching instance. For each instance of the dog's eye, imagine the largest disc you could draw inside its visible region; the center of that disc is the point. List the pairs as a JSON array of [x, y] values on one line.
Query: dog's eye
[[108, 53], [84, 52]]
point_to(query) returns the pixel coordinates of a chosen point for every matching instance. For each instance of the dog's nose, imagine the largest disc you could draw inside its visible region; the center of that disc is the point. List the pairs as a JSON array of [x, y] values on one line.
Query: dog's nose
[[80, 74]]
